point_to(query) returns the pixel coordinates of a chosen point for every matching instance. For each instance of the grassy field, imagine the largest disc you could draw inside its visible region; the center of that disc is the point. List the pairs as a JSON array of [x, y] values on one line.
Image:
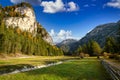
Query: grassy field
[[85, 69], [11, 64], [33, 60]]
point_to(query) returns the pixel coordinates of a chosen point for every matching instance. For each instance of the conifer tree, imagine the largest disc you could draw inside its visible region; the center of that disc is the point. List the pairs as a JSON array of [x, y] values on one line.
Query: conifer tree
[[110, 45]]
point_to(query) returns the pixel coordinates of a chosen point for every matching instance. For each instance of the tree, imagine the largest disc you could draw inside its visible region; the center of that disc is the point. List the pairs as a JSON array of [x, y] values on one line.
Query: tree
[[14, 40], [79, 50], [92, 48], [118, 40], [96, 48], [110, 45]]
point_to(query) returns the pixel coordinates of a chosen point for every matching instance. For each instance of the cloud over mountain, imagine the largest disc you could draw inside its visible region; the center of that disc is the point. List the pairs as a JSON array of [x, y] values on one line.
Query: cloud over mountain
[[61, 35]]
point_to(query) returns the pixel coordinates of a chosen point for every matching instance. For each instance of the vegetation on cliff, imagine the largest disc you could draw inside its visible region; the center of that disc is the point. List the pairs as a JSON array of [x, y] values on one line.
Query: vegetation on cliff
[[14, 40]]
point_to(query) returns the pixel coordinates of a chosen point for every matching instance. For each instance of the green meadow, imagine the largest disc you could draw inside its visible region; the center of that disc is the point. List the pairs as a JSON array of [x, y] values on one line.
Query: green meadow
[[11, 64], [82, 69]]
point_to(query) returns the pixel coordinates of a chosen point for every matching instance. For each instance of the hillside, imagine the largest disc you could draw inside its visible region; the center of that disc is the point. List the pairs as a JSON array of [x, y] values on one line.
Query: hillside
[[101, 32], [66, 46], [21, 33], [23, 16], [98, 34]]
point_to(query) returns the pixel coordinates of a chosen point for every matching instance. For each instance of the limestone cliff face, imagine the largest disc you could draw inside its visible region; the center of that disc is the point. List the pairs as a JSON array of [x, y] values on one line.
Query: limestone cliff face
[[48, 38], [27, 22]]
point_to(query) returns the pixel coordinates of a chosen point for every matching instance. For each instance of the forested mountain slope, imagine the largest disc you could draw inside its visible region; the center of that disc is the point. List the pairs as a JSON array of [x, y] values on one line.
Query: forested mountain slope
[[21, 33], [98, 34], [101, 32]]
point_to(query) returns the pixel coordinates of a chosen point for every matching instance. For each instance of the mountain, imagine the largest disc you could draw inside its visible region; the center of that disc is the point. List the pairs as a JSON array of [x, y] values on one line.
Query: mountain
[[101, 32], [21, 33], [66, 46], [22, 16]]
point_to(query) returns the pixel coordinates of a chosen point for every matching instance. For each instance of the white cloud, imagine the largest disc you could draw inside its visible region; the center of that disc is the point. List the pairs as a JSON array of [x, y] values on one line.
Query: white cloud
[[64, 34], [33, 2], [114, 3], [52, 33], [58, 6], [89, 5], [72, 7], [16, 1], [61, 35], [52, 7]]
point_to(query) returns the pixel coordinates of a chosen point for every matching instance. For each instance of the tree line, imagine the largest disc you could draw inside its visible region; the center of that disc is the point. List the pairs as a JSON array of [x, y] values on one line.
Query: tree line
[[112, 45], [13, 40]]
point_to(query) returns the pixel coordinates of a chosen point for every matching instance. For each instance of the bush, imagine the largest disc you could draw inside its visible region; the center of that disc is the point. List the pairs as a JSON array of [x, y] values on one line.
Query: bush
[[87, 55], [106, 55], [82, 55]]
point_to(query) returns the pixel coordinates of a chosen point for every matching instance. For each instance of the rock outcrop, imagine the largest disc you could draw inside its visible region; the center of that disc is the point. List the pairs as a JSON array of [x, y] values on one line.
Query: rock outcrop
[[27, 22], [48, 38]]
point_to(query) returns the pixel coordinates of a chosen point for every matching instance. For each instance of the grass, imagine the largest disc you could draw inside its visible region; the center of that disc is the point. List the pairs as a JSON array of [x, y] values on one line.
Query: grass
[[32, 60], [85, 69], [11, 64]]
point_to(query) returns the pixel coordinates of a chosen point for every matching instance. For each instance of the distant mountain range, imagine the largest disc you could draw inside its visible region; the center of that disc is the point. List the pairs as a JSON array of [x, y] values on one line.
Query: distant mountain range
[[66, 45], [99, 34]]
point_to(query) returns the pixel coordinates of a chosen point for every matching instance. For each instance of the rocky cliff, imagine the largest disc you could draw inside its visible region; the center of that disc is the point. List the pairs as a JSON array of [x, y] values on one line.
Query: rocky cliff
[[27, 23], [25, 20]]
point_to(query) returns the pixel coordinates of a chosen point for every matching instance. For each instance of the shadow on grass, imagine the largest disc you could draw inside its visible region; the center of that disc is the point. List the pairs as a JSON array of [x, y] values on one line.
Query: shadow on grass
[[9, 68]]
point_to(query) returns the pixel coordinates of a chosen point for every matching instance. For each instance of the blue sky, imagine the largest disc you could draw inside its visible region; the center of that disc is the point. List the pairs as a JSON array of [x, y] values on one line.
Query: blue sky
[[65, 19]]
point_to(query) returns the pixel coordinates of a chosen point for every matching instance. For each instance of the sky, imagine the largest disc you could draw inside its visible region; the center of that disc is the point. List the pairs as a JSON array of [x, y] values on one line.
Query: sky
[[65, 19]]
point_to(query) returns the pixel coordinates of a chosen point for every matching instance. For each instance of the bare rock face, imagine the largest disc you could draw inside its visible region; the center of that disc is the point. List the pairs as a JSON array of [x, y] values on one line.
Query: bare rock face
[[26, 23], [48, 38]]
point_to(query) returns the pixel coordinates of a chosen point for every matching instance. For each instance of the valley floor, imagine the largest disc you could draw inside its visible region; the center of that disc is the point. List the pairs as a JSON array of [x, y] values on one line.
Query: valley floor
[[11, 64], [82, 69]]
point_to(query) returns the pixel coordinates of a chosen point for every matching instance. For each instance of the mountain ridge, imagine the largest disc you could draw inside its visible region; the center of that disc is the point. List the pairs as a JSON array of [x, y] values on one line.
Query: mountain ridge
[[65, 45], [98, 34]]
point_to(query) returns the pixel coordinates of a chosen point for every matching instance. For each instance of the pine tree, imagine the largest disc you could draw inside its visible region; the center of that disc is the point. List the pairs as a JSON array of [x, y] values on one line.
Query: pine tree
[[92, 48], [110, 45]]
